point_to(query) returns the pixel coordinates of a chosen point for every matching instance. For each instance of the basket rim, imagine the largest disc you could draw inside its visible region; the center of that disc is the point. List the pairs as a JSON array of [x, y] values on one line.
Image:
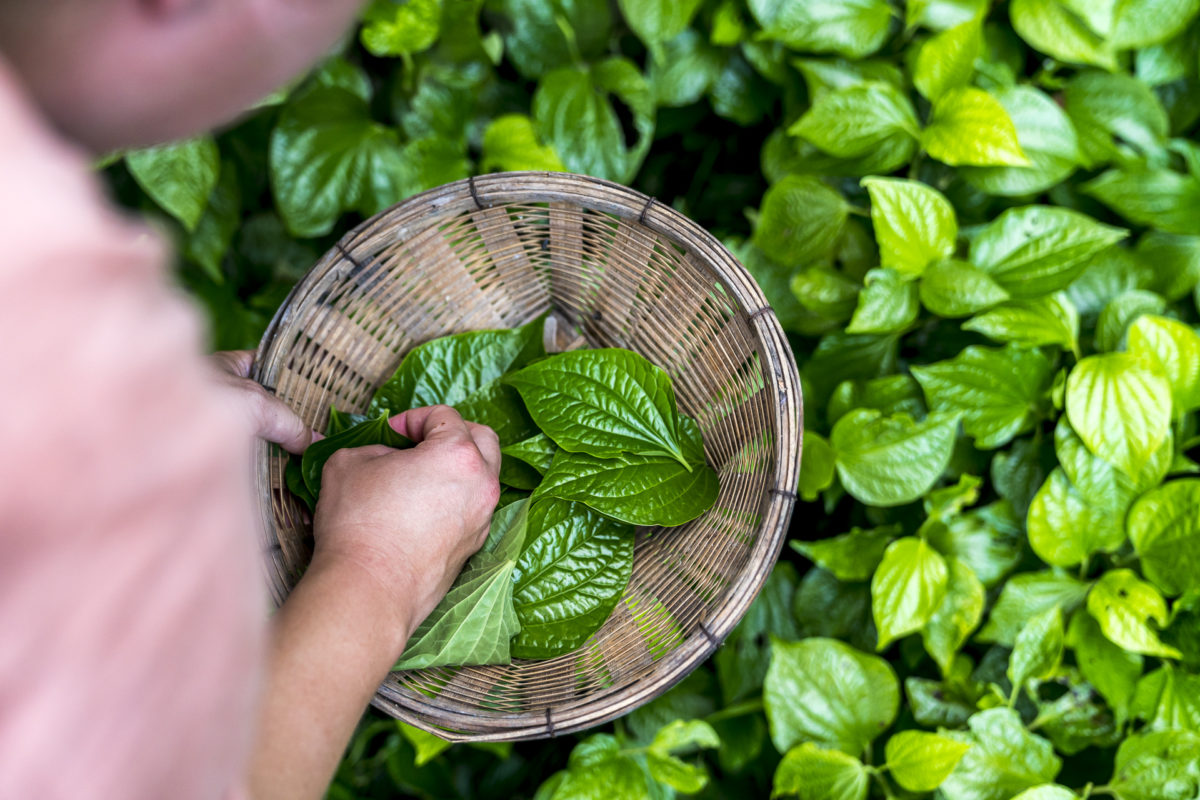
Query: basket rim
[[781, 381]]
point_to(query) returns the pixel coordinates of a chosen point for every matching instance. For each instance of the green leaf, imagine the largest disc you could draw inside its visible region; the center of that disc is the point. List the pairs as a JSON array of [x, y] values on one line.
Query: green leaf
[[890, 395], [1120, 408], [574, 114], [1120, 313], [914, 224], [907, 588], [638, 489], [1168, 699], [536, 451], [825, 291], [850, 122], [889, 461], [1174, 348], [465, 371], [511, 143], [604, 403], [1033, 250], [1157, 766], [372, 431], [1099, 482], [937, 704], [947, 60], [1004, 759], [688, 69], [852, 28], [328, 156], [572, 571], [811, 772], [999, 392], [852, 556], [1047, 138], [1038, 649], [179, 176], [656, 21], [475, 621], [1113, 671], [1051, 27], [920, 761], [887, 304], [1159, 198], [427, 745], [953, 288], [988, 540], [392, 28], [968, 126], [816, 466], [1026, 595], [823, 75], [956, 617], [1176, 260], [941, 15], [1048, 320], [210, 241], [1065, 529], [1124, 605], [598, 769], [1141, 23], [742, 661], [541, 36], [1163, 526], [1109, 109], [680, 735], [801, 219], [1047, 792], [824, 691]]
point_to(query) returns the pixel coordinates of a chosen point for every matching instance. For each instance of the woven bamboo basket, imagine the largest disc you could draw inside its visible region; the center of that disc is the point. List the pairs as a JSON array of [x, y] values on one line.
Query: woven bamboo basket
[[495, 252]]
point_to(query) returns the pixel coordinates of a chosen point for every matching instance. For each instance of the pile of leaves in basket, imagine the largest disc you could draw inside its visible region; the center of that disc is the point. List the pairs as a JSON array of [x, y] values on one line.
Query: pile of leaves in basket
[[980, 225]]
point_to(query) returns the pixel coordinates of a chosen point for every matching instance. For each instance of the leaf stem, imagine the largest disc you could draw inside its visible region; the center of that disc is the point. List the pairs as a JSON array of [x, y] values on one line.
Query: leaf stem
[[1012, 697], [883, 784], [736, 710]]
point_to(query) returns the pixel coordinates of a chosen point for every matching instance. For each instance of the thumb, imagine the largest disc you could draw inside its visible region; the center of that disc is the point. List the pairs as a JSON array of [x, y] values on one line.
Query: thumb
[[272, 419]]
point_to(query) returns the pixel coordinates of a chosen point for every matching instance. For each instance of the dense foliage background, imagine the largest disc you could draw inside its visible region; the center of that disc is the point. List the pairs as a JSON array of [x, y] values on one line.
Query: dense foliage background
[[994, 581]]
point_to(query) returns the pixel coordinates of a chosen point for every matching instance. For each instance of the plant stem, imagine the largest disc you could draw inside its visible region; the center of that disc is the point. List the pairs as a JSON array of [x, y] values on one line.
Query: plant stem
[[883, 784], [736, 710]]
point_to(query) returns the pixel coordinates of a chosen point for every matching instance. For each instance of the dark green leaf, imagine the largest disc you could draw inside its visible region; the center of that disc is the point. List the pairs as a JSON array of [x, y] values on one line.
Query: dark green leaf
[[801, 221], [372, 431], [179, 176]]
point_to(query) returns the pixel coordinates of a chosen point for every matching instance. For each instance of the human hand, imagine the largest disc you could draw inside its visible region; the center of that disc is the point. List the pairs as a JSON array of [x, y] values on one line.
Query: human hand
[[407, 520], [269, 417]]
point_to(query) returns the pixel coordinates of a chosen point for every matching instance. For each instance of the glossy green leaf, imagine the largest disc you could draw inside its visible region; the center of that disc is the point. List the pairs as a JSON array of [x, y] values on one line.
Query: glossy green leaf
[[816, 466], [476, 621], [1167, 699], [907, 588], [373, 431], [887, 461], [511, 143], [1004, 759], [1121, 312], [1120, 408], [811, 772], [540, 36], [1164, 526], [988, 540], [742, 660], [572, 571], [656, 21], [1048, 320], [1100, 483], [887, 304], [1027, 595], [680, 736], [956, 616], [954, 288], [998, 391], [801, 220], [825, 291], [1033, 250], [1125, 605], [1111, 111], [1159, 198], [687, 70], [1065, 529], [1051, 27], [968, 126], [1157, 766], [1176, 261], [852, 556], [1038, 648], [914, 224], [1175, 350], [849, 122], [947, 60], [1046, 137], [920, 761], [536, 451], [640, 490], [826, 692], [465, 371], [1113, 671], [853, 28], [179, 176], [328, 156]]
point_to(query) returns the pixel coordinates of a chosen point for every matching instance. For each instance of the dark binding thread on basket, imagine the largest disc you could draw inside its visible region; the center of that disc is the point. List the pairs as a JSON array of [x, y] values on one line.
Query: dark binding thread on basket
[[712, 639], [784, 493], [358, 265], [475, 193], [549, 723], [645, 209], [759, 312]]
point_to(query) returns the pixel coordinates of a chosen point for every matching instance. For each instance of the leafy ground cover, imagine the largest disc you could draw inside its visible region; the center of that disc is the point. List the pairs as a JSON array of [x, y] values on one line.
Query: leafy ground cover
[[979, 222]]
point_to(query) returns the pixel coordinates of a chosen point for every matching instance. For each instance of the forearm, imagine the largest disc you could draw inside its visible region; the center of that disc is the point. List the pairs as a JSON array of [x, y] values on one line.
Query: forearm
[[331, 647]]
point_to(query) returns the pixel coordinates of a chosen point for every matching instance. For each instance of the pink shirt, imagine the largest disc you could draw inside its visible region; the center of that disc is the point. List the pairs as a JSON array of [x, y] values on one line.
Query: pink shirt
[[131, 616]]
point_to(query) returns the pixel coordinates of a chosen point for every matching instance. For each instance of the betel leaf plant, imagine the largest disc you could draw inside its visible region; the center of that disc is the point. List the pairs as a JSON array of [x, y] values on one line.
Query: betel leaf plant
[[979, 224], [592, 444]]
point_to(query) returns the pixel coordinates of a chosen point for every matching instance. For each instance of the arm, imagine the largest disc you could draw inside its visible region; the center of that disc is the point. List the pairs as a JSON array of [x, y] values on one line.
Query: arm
[[393, 529]]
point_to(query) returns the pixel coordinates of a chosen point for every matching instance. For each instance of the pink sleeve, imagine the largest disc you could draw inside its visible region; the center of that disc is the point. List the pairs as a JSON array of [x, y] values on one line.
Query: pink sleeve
[[129, 587]]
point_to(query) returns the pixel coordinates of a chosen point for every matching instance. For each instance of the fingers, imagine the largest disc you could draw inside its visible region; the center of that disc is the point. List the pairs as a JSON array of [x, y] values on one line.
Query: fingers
[[430, 422], [488, 444], [273, 420], [235, 362]]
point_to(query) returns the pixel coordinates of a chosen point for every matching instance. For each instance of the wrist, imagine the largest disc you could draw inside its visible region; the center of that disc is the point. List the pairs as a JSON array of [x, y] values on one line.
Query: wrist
[[374, 609]]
